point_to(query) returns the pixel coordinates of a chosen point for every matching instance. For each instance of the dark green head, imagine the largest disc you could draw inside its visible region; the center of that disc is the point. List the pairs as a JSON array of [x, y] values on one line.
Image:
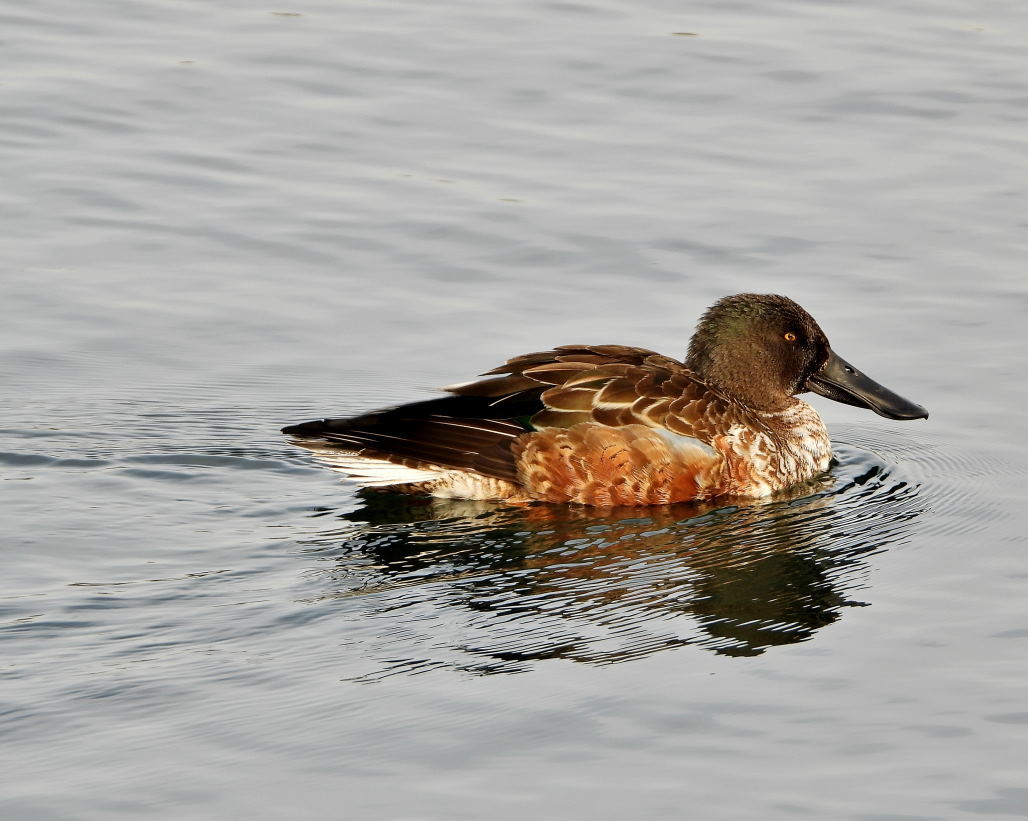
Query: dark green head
[[763, 349]]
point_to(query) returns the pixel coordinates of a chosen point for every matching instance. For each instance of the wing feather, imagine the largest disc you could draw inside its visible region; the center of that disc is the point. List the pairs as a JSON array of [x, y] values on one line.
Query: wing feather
[[608, 385], [480, 425]]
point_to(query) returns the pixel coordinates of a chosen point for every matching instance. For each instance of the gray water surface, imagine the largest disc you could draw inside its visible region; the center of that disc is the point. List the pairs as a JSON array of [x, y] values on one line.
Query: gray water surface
[[219, 219]]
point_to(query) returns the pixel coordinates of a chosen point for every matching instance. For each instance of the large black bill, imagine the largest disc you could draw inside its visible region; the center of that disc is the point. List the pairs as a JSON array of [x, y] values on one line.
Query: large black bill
[[840, 381]]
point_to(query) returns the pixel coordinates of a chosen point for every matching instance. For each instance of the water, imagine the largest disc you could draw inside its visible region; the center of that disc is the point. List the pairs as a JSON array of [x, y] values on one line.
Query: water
[[219, 220]]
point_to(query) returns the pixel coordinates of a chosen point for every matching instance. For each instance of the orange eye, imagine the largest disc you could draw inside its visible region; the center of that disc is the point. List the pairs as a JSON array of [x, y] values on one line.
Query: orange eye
[[790, 336]]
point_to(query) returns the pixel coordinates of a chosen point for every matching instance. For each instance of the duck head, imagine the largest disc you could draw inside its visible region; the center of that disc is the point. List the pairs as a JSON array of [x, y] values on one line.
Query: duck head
[[763, 349]]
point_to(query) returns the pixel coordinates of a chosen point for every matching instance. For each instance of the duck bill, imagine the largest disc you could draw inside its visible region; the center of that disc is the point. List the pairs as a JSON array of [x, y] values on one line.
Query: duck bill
[[840, 381]]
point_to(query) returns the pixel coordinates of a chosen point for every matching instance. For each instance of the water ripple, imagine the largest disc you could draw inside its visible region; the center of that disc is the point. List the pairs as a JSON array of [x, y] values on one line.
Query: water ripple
[[606, 586]]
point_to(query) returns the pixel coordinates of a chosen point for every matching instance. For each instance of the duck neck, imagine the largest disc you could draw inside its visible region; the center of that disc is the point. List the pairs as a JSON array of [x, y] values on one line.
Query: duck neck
[[744, 378]]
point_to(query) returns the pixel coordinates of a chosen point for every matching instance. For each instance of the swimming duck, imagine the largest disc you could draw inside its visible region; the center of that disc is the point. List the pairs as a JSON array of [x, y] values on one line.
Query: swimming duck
[[615, 425]]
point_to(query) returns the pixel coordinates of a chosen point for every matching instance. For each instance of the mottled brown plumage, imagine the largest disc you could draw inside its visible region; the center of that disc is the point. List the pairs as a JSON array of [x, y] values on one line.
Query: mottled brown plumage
[[614, 425]]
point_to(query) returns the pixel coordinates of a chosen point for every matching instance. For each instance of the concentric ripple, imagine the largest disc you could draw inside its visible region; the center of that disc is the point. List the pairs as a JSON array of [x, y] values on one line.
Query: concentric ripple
[[491, 589]]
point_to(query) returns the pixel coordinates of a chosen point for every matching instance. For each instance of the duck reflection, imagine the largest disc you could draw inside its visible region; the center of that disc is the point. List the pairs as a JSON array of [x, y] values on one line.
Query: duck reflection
[[604, 586]]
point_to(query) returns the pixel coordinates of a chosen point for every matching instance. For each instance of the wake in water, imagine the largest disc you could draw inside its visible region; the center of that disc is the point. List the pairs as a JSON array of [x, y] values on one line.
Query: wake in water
[[490, 589]]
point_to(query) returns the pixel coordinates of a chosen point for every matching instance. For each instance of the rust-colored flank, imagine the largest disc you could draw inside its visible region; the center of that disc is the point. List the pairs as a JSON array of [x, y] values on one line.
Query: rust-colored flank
[[612, 425]]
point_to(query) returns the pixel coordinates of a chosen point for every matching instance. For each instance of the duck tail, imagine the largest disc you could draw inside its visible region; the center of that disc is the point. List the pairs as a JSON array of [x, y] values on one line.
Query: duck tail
[[408, 443]]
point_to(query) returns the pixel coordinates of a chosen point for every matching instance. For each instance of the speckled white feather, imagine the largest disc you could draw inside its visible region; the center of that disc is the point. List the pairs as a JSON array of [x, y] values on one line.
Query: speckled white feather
[[375, 472]]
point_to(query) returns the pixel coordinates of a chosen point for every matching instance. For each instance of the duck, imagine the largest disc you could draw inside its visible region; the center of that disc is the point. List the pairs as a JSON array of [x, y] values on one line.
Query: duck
[[613, 425]]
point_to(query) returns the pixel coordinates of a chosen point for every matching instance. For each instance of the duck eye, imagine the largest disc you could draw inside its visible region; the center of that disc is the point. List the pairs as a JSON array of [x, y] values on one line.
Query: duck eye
[[790, 336]]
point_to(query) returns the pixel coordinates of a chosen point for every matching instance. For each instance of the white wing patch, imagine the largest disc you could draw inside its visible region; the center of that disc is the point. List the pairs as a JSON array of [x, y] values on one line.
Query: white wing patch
[[443, 483], [374, 472], [677, 441]]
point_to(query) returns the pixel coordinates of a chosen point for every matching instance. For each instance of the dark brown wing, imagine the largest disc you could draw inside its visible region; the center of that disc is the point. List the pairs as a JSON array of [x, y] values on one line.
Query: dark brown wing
[[451, 432], [610, 385], [475, 427]]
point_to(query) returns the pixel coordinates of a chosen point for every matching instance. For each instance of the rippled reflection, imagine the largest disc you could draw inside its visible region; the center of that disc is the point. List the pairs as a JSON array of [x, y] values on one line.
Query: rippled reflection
[[599, 586]]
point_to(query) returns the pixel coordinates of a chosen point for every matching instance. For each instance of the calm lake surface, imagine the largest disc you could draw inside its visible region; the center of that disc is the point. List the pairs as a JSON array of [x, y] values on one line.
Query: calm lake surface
[[223, 218]]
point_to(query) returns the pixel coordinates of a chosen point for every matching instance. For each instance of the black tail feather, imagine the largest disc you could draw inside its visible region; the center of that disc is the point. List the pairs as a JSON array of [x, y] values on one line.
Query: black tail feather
[[463, 432]]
